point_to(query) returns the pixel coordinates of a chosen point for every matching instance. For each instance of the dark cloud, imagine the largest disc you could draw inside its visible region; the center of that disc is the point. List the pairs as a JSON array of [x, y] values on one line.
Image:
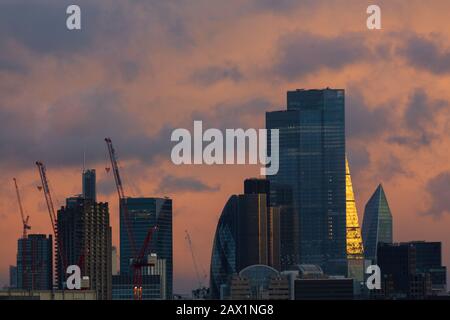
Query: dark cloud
[[78, 123], [213, 74], [364, 122], [419, 119], [421, 110], [41, 25], [303, 53], [281, 6], [358, 158], [170, 184], [225, 115], [438, 189], [426, 54]]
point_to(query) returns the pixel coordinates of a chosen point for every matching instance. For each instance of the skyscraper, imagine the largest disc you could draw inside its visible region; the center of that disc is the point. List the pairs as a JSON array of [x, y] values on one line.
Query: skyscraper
[[247, 234], [34, 262], [13, 277], [355, 251], [89, 185], [144, 214], [312, 170], [85, 235], [377, 223]]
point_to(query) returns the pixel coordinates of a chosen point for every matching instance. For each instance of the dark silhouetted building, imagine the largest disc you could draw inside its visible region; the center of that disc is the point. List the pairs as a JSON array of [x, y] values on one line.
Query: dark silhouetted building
[[12, 277], [429, 260], [311, 173], [143, 215], [324, 289], [85, 235], [377, 224], [415, 268], [89, 185], [123, 287], [248, 233], [35, 262]]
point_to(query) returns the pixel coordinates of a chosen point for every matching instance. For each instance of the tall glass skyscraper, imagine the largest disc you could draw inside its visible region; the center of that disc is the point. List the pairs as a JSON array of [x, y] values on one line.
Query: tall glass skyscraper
[[34, 262], [89, 185], [377, 223], [144, 214], [224, 256], [247, 234], [312, 175]]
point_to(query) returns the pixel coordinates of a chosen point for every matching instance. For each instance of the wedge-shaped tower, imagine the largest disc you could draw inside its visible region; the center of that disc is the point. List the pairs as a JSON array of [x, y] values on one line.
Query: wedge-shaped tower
[[355, 250], [377, 223], [354, 239]]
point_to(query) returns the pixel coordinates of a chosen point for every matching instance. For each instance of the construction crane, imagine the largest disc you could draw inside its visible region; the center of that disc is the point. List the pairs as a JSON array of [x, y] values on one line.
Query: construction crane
[[194, 261], [25, 220], [26, 226], [51, 210], [139, 259]]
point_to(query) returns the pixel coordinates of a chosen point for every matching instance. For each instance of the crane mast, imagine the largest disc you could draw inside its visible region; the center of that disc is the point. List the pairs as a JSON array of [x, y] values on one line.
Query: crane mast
[[25, 220], [52, 214], [138, 257], [189, 241]]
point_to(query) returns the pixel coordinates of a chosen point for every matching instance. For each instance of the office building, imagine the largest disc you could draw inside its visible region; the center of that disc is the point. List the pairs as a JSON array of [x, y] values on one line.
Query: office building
[[429, 260], [311, 173], [415, 268], [12, 277], [247, 234], [143, 215], [258, 282], [355, 250], [89, 185], [324, 289], [123, 287], [35, 262], [84, 233], [19, 294], [114, 269], [377, 224]]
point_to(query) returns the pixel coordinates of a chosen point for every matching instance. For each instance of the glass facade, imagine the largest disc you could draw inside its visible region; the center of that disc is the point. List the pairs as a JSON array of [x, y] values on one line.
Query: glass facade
[[223, 258], [242, 235], [85, 235], [34, 262], [312, 174], [144, 214], [122, 287], [89, 185], [377, 223]]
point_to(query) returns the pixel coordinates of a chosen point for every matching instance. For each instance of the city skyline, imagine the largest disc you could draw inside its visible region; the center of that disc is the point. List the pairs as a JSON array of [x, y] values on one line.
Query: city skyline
[[56, 106]]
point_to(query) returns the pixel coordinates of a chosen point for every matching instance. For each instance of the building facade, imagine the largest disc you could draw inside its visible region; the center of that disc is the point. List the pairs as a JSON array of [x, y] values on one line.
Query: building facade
[[35, 262], [143, 215], [377, 223], [355, 249], [247, 234], [89, 185], [85, 235], [312, 175]]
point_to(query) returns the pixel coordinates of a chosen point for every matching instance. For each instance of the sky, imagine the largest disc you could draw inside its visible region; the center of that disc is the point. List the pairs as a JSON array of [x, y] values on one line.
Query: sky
[[139, 69]]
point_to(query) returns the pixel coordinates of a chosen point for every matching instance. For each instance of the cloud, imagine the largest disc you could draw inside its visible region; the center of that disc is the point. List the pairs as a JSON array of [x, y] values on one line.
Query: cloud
[[439, 192], [419, 119], [213, 74], [303, 53], [426, 54], [171, 184], [364, 122], [59, 135], [230, 114], [41, 25]]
